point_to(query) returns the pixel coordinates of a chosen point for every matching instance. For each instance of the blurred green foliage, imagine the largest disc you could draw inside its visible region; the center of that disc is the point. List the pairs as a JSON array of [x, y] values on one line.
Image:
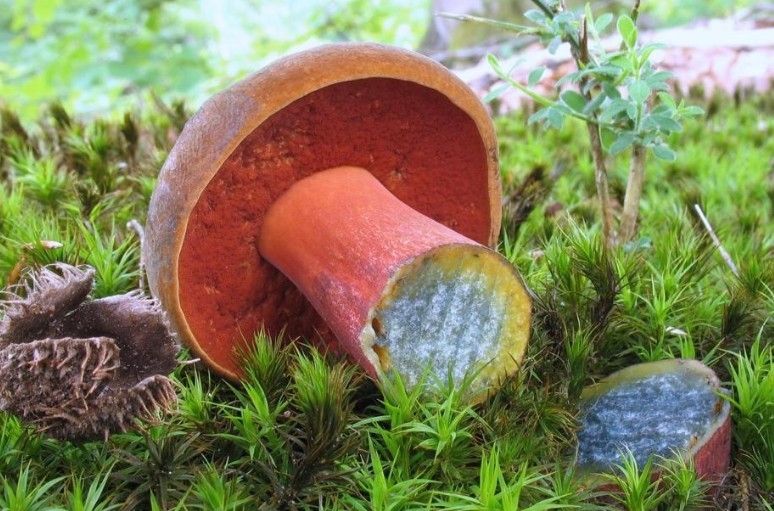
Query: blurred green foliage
[[92, 53], [101, 56]]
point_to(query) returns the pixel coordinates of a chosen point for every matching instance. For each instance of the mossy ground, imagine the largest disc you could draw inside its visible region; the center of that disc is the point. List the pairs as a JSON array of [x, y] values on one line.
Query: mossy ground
[[307, 431]]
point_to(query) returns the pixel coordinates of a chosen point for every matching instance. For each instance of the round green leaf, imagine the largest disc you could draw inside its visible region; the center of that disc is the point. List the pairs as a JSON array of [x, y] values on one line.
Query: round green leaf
[[573, 100], [663, 152], [602, 22], [535, 75], [628, 31], [666, 124], [608, 136], [639, 91], [623, 141], [555, 118]]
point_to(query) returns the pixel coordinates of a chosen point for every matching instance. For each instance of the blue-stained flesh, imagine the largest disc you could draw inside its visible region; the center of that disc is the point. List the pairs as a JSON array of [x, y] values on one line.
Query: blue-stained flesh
[[655, 415]]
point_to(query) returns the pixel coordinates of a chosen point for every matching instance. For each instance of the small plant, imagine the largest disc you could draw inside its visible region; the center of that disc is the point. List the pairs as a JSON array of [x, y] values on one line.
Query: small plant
[[382, 486], [27, 494], [196, 401], [620, 96], [638, 490], [214, 492], [157, 466], [89, 496], [498, 489], [753, 401], [444, 428], [686, 490], [266, 364]]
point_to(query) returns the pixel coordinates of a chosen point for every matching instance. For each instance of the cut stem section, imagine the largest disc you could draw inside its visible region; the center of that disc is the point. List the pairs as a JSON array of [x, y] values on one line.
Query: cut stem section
[[401, 292]]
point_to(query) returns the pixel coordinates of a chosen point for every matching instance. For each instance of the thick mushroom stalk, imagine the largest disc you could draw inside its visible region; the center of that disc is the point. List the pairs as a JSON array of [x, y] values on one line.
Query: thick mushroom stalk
[[399, 290]]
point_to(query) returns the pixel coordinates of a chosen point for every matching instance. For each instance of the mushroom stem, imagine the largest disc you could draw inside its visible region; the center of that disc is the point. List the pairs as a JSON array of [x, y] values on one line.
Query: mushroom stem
[[400, 291]]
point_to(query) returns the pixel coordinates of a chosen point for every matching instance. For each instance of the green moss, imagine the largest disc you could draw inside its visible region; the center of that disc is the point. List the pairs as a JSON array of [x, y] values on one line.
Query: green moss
[[666, 294]]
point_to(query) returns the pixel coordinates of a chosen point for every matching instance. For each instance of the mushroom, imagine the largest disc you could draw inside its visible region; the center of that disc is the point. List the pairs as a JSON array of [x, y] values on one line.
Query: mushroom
[[351, 195], [662, 408]]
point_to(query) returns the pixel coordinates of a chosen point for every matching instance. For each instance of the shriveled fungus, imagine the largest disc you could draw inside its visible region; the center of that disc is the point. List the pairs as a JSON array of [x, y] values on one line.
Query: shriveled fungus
[[350, 194], [78, 368]]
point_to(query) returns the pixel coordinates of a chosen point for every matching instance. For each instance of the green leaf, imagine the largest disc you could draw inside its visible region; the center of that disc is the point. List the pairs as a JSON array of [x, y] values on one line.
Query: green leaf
[[661, 76], [496, 92], [639, 90], [555, 118], [589, 15], [622, 62], [667, 99], [535, 16], [535, 75], [666, 124], [623, 141], [608, 136], [631, 111], [663, 152], [538, 116], [594, 104], [662, 109], [658, 86], [612, 109], [495, 65], [564, 17], [602, 22], [502, 25], [573, 100], [628, 31], [606, 71], [691, 111], [573, 77], [554, 45], [610, 90]]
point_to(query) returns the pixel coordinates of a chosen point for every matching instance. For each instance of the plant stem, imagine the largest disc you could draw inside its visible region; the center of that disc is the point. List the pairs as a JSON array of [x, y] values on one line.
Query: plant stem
[[631, 205], [600, 170], [137, 228], [636, 11], [603, 191]]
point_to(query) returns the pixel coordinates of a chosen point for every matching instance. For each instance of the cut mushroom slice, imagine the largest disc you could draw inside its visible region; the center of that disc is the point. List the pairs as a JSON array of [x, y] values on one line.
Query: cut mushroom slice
[[661, 409]]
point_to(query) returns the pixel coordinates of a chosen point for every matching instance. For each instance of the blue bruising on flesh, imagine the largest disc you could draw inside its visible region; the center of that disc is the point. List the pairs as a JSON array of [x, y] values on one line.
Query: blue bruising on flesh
[[655, 416], [451, 326]]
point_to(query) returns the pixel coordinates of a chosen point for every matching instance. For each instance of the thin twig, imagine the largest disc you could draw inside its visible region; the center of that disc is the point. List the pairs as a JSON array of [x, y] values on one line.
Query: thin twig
[[581, 57], [631, 205], [136, 227], [636, 11], [726, 257], [603, 191]]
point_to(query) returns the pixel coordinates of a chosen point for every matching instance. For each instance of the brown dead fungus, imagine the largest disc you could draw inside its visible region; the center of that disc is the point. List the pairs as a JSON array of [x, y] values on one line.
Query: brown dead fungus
[[77, 368], [350, 194]]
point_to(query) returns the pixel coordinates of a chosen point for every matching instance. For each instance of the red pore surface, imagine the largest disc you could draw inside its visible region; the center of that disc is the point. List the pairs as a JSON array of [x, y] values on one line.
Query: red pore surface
[[422, 147]]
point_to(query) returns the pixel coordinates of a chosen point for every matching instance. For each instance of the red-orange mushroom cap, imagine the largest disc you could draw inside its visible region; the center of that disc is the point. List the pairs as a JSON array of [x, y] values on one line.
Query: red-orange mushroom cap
[[404, 118]]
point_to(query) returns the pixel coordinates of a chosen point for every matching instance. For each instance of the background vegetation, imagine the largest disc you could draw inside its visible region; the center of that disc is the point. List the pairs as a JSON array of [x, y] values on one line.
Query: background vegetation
[[102, 57], [307, 431]]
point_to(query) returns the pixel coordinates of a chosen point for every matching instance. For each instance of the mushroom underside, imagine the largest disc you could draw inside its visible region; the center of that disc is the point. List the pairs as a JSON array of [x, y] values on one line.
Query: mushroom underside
[[422, 147]]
